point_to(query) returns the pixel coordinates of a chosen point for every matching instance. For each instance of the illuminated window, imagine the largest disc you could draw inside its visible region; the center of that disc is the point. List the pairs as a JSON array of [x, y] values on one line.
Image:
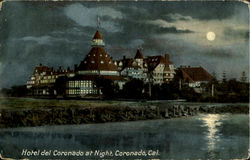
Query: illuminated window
[[92, 61], [102, 62], [76, 83]]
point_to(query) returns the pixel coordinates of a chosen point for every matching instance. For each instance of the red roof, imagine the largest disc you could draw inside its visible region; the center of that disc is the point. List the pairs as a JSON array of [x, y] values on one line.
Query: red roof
[[50, 70], [192, 74], [97, 35], [97, 59], [40, 69], [138, 55], [153, 62], [128, 62]]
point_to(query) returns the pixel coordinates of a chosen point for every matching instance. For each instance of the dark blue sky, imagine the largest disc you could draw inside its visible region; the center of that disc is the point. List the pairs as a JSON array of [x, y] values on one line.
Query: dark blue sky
[[59, 34]]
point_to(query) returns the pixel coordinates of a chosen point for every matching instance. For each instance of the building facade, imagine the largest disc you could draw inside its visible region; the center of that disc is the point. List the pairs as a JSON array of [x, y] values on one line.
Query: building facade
[[81, 81], [194, 77]]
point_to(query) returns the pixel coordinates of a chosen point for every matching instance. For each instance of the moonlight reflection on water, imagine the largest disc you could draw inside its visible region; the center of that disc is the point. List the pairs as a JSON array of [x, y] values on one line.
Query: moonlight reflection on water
[[212, 122], [206, 136]]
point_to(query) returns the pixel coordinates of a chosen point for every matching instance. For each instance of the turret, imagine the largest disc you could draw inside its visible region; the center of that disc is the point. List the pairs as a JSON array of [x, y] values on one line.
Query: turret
[[97, 40]]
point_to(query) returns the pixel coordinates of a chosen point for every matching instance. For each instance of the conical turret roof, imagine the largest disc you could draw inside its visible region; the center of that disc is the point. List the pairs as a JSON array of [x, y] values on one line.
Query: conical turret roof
[[138, 55], [97, 59], [97, 35]]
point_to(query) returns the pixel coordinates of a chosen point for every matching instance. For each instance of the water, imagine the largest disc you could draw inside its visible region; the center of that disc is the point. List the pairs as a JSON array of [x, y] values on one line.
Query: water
[[206, 136]]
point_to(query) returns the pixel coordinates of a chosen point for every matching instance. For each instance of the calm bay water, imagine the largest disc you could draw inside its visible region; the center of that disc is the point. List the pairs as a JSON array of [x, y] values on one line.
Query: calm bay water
[[206, 136]]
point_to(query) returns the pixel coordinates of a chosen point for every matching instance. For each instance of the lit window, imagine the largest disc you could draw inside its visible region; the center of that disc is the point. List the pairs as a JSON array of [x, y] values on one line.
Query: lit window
[[92, 61], [100, 55], [106, 55], [85, 62], [94, 55], [109, 62], [102, 62]]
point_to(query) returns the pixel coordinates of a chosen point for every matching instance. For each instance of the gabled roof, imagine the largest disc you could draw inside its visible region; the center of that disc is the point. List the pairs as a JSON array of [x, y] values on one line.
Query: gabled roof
[[97, 59], [97, 35], [40, 69], [193, 74], [138, 54], [154, 61]]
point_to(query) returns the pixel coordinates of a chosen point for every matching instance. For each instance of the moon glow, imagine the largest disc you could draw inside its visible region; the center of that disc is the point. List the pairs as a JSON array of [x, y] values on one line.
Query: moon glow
[[211, 36]]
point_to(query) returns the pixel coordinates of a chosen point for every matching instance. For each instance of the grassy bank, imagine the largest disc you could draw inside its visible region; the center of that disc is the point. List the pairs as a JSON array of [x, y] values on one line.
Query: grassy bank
[[18, 112]]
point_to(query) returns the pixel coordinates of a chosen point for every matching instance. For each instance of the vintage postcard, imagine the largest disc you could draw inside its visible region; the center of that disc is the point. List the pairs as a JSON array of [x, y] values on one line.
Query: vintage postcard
[[138, 80]]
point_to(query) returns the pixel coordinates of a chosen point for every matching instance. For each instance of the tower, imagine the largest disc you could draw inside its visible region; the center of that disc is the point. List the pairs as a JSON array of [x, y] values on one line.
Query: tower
[[97, 61], [139, 58], [97, 40]]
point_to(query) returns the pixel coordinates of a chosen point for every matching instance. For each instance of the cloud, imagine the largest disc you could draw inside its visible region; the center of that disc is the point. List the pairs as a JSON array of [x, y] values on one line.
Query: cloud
[[136, 43], [164, 26], [40, 40], [178, 17], [87, 17], [231, 33], [43, 40]]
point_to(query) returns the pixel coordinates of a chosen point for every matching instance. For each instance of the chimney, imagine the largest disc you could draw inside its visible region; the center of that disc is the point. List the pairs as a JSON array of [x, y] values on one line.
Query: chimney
[[166, 58], [75, 67], [124, 57]]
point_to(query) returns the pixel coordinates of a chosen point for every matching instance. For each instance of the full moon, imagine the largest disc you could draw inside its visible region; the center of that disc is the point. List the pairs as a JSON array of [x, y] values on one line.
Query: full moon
[[211, 36]]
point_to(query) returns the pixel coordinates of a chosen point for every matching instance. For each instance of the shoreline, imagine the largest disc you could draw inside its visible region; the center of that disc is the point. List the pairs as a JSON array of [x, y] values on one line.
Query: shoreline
[[117, 112]]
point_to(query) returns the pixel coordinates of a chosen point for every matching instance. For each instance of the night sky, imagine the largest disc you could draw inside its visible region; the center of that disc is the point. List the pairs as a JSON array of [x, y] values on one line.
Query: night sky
[[59, 34]]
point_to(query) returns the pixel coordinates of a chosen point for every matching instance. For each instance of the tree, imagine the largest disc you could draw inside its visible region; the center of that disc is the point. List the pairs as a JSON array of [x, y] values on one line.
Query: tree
[[60, 85], [133, 89], [224, 78], [243, 77], [108, 88]]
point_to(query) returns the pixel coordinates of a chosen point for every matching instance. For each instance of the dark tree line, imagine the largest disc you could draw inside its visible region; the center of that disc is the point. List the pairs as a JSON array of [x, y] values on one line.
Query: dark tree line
[[225, 91]]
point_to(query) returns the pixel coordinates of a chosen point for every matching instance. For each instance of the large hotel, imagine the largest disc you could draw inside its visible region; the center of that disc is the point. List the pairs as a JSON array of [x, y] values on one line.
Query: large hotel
[[81, 81]]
